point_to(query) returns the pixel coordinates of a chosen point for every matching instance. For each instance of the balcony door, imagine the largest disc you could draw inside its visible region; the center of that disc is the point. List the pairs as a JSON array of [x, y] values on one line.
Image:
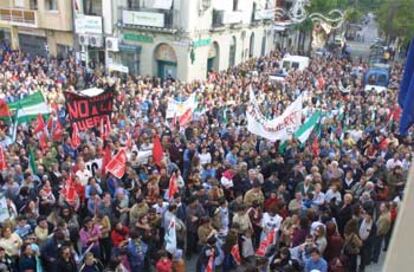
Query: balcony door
[[232, 52], [166, 61], [251, 46]]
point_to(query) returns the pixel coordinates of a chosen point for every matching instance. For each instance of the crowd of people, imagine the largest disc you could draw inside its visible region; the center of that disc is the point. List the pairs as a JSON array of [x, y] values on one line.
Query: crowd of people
[[331, 202]]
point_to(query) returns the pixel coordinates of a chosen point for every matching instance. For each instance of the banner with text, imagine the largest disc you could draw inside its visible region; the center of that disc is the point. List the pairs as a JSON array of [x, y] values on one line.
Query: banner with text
[[279, 128], [87, 111]]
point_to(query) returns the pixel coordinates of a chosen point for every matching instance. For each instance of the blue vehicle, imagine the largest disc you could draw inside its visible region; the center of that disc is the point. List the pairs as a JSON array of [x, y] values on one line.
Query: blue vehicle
[[377, 77]]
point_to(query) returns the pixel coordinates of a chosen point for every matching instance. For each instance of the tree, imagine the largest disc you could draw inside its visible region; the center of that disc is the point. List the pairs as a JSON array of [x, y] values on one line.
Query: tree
[[396, 19]]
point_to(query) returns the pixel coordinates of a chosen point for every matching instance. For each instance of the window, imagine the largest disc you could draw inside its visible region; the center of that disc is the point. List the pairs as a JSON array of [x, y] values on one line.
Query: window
[[51, 4], [93, 7], [235, 5], [33, 4], [134, 4]]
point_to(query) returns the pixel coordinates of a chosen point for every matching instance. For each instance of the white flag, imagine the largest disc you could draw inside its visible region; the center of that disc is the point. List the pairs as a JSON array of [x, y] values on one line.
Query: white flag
[[171, 237]]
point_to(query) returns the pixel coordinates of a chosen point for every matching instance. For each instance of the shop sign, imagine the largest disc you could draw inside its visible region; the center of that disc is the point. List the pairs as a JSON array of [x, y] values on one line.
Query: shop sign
[[86, 24], [138, 38], [141, 18], [201, 42]]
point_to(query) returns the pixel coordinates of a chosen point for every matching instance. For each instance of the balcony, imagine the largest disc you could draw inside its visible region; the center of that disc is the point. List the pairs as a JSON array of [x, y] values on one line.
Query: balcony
[[160, 20], [264, 14], [233, 17], [19, 17]]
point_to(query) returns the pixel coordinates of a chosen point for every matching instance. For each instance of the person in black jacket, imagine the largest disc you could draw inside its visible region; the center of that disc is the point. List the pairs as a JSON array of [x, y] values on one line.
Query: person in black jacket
[[66, 261], [282, 261], [50, 251], [367, 231], [27, 261], [6, 262]]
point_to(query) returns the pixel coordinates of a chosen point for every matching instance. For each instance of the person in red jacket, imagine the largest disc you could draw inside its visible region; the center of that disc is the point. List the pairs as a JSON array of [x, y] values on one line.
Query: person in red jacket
[[119, 235], [164, 264]]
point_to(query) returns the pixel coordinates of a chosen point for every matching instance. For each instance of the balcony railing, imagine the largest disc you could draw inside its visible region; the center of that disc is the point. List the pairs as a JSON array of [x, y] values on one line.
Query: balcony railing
[[19, 17], [233, 17], [148, 18]]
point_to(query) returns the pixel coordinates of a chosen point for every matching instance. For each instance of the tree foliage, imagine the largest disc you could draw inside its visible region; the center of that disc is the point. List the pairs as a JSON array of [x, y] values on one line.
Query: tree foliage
[[396, 19]]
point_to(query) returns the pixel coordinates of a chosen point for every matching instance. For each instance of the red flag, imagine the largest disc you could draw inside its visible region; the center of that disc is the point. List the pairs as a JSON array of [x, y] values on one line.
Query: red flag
[[3, 164], [4, 109], [69, 191], [75, 140], [106, 158], [172, 187], [43, 141], [157, 152], [315, 147], [40, 124], [50, 123], [105, 128], [265, 243], [210, 264], [57, 132], [117, 165], [186, 117], [235, 252]]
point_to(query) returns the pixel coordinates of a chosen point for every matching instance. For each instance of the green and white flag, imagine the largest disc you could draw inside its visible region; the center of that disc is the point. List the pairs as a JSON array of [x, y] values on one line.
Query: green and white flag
[[303, 133], [30, 107]]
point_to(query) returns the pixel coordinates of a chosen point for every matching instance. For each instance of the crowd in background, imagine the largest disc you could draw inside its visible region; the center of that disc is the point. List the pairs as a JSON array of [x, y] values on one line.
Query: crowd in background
[[332, 201]]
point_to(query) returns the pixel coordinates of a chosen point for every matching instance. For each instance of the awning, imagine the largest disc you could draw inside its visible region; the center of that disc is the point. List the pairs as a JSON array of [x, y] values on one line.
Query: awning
[[279, 28], [118, 68]]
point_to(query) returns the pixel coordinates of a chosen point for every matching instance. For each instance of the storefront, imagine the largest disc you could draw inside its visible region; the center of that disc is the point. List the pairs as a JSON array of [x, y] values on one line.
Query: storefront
[[33, 44]]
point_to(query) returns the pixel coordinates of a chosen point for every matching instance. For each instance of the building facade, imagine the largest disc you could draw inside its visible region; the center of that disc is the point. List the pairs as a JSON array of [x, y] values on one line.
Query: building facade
[[185, 39], [39, 27]]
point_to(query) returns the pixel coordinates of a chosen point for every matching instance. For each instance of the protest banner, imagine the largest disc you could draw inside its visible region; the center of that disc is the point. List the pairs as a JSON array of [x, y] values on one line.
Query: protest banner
[[280, 128], [177, 109], [87, 111]]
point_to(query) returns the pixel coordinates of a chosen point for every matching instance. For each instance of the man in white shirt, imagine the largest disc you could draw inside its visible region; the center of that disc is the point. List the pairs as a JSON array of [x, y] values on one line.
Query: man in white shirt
[[333, 193], [393, 162], [83, 174], [270, 221]]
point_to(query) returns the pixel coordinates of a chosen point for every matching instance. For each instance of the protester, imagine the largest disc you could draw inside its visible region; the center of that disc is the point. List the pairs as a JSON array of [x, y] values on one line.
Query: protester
[[163, 164]]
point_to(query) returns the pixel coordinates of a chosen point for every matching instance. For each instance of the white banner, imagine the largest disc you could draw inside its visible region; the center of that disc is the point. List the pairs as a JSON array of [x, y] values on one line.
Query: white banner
[[87, 24], [94, 166], [143, 18], [279, 128], [176, 109]]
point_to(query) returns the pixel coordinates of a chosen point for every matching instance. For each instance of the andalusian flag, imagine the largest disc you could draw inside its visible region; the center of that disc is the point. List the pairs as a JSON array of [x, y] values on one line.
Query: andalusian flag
[[30, 107], [303, 133]]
